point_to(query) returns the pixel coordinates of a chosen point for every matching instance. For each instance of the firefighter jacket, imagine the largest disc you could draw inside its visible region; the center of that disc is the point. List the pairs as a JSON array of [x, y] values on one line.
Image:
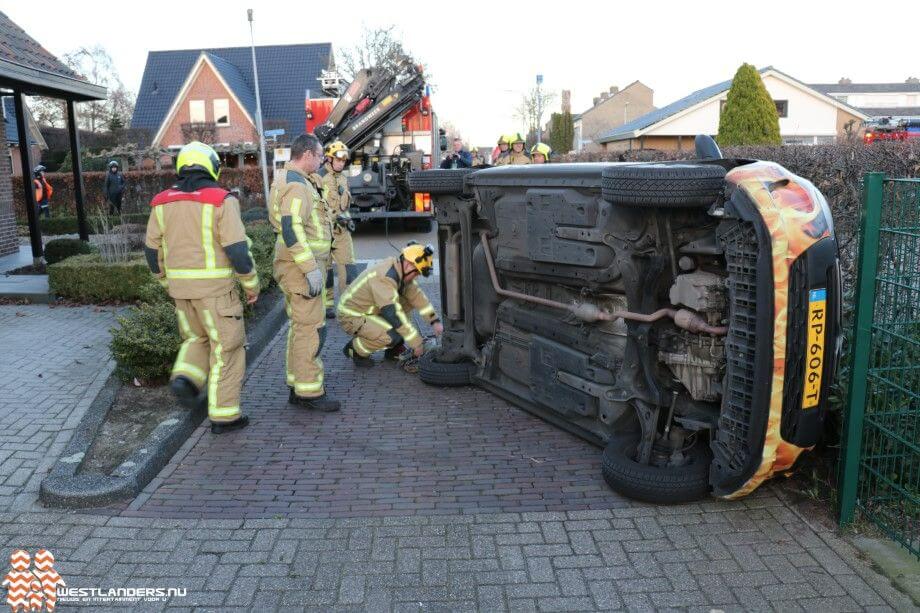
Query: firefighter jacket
[[299, 216], [196, 242], [517, 159], [380, 294], [338, 198]]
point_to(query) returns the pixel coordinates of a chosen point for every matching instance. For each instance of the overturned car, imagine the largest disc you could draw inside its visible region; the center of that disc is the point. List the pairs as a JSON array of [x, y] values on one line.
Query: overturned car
[[683, 316]]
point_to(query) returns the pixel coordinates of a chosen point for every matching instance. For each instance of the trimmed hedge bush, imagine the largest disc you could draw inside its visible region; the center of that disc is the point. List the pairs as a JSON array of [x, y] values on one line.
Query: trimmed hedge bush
[[67, 224], [153, 293], [62, 248], [86, 278], [263, 251], [256, 213], [145, 343]]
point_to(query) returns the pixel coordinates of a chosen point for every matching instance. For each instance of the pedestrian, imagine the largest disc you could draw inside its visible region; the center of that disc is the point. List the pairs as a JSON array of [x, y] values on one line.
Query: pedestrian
[[500, 155], [517, 156], [338, 198], [196, 244], [43, 191], [539, 153], [375, 308], [301, 219], [114, 188], [458, 158]]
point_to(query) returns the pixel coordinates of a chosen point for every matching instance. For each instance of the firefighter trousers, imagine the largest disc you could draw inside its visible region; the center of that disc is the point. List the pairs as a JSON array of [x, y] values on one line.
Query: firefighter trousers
[[343, 261], [212, 351], [307, 331], [370, 334]]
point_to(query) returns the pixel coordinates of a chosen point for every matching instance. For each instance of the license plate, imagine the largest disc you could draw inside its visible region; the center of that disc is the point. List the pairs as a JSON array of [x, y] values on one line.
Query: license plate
[[814, 357]]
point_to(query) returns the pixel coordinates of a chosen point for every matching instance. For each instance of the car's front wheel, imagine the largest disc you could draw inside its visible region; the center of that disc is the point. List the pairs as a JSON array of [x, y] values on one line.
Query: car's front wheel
[[657, 482]]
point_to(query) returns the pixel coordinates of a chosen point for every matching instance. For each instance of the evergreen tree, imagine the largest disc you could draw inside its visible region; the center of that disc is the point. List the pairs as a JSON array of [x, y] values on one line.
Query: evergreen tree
[[749, 116], [562, 132]]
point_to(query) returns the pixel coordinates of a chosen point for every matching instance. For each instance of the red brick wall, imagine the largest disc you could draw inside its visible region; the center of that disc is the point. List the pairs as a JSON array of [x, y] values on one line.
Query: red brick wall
[[207, 87], [9, 239]]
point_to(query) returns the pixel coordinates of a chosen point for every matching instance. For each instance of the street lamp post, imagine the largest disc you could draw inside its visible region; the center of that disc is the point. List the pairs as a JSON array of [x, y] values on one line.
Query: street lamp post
[[539, 109], [255, 76]]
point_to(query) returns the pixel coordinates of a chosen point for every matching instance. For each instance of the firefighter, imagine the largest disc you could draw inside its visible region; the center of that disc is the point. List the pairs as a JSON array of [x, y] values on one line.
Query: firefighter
[[517, 156], [43, 191], [478, 160], [301, 220], [500, 156], [338, 199], [539, 153], [375, 308], [195, 245]]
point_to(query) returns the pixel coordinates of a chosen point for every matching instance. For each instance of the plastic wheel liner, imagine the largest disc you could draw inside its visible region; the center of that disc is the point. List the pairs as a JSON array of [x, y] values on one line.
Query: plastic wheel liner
[[793, 226]]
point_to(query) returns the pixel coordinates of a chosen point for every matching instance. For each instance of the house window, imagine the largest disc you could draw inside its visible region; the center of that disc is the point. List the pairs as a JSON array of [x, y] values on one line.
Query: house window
[[222, 112], [196, 111], [782, 107]]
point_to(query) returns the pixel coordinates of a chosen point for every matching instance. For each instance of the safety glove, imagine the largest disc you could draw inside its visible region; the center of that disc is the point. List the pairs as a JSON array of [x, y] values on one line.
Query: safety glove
[[315, 282]]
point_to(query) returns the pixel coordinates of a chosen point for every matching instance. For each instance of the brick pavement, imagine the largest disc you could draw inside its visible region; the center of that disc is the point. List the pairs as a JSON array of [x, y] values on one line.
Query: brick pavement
[[474, 506]]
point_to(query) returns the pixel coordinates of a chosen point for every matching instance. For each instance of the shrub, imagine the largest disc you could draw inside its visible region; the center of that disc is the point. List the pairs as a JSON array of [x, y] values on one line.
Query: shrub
[[749, 116], [86, 278], [62, 248], [263, 251], [153, 293], [67, 224], [145, 343], [256, 213]]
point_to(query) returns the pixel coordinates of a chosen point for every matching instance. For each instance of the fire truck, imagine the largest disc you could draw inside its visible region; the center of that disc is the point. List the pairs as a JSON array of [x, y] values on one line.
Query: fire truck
[[385, 118], [891, 128]]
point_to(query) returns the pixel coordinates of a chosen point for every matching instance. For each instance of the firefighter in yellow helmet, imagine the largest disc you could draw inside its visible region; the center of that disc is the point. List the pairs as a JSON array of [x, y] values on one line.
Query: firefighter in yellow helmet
[[376, 308], [196, 245], [539, 153], [517, 155], [500, 156], [298, 214], [338, 199]]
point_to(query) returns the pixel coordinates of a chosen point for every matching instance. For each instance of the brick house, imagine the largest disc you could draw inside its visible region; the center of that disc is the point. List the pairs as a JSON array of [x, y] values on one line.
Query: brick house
[[209, 94], [611, 109], [36, 140]]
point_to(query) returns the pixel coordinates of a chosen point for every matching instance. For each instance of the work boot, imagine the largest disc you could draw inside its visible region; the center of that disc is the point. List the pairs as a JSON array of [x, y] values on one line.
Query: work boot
[[330, 313], [359, 360], [219, 427], [187, 393], [393, 353], [320, 403]]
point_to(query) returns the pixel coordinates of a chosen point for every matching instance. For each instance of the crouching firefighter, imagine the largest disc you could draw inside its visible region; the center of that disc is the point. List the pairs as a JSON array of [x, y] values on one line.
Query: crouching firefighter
[[376, 307], [195, 245], [298, 214], [338, 198]]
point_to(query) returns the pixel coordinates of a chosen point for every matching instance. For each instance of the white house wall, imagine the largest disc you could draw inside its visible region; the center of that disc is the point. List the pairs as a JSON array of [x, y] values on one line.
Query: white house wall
[[808, 115]]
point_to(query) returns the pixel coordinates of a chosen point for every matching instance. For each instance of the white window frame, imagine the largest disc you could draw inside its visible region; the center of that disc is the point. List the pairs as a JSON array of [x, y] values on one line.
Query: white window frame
[[217, 114], [192, 104]]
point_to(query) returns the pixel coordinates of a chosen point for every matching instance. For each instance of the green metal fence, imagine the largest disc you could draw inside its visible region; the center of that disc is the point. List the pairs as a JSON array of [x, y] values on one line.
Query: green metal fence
[[880, 469]]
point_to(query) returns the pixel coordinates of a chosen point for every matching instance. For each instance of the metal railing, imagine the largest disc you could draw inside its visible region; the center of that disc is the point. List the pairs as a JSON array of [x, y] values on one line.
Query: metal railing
[[880, 457]]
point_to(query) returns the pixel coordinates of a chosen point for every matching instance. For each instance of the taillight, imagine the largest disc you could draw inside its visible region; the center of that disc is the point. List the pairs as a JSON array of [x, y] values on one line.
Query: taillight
[[422, 203]]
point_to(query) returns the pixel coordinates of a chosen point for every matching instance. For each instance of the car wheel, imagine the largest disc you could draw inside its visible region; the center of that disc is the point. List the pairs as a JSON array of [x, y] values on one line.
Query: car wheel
[[651, 483], [444, 374], [663, 185], [447, 182]]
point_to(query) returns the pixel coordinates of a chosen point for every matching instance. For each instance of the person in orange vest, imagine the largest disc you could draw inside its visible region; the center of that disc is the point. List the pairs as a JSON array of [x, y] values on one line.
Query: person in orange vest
[[196, 244], [43, 191]]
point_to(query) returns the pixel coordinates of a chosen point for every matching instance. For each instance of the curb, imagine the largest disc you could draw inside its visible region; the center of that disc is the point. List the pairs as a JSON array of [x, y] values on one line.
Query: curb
[[64, 488]]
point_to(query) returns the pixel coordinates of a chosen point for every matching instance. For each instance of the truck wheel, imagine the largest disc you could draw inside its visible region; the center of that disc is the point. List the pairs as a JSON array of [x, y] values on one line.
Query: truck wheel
[[663, 185], [444, 374], [445, 182], [656, 484]]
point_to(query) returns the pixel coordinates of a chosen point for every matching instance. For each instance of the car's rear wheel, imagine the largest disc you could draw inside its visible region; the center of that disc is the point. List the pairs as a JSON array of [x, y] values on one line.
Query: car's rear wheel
[[656, 482], [663, 185], [438, 182], [445, 374]]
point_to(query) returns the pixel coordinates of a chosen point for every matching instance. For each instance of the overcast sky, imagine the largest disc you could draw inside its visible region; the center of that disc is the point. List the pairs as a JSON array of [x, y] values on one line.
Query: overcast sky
[[482, 55]]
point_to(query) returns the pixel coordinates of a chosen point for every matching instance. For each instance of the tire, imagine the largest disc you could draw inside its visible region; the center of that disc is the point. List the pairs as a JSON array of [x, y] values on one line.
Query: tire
[[446, 182], [663, 185], [659, 485], [444, 374]]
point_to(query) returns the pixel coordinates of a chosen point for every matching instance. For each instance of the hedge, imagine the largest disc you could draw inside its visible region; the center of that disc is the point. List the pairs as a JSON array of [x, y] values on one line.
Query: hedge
[[86, 278], [145, 343], [263, 251], [62, 248], [67, 224], [141, 187]]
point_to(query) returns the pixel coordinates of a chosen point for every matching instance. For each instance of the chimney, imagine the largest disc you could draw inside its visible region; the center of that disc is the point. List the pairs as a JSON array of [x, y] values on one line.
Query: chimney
[[566, 101], [614, 89], [596, 100], [912, 80], [604, 96], [844, 81]]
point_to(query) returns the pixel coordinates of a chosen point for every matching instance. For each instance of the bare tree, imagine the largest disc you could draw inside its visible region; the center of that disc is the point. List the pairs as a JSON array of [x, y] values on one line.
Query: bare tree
[[96, 65], [532, 106], [380, 47], [48, 111], [121, 107]]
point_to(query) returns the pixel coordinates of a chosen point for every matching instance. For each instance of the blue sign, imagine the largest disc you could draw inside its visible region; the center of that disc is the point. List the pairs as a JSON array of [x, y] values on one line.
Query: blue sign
[[539, 79], [278, 132]]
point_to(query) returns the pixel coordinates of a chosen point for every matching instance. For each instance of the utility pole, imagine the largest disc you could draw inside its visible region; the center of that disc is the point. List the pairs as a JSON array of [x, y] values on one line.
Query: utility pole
[[539, 109], [255, 76]]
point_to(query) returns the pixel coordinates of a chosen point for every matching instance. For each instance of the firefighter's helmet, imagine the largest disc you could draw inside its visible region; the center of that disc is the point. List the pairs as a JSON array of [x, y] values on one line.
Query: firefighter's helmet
[[543, 149], [420, 256], [38, 170], [196, 154], [504, 139], [516, 138], [337, 149]]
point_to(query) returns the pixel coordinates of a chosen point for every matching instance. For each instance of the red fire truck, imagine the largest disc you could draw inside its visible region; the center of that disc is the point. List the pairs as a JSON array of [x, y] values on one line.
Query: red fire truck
[[891, 128], [385, 118]]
